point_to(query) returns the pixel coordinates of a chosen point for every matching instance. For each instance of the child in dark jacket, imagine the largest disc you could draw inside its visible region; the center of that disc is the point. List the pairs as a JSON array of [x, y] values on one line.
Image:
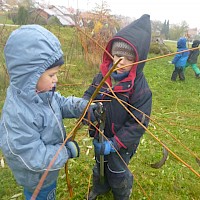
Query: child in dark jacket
[[180, 60], [192, 59], [122, 130]]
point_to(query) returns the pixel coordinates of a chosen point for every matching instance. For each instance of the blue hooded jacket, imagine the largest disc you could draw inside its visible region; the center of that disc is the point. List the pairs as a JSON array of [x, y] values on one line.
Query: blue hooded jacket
[[180, 59], [31, 130]]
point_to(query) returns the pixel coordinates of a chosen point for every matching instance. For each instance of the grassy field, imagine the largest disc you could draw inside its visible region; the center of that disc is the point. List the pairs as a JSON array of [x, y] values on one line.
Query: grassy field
[[4, 19], [174, 121]]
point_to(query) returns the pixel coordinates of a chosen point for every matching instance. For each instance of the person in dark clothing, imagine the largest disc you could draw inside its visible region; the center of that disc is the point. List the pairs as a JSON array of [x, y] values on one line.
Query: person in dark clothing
[[180, 60], [192, 59], [122, 130]]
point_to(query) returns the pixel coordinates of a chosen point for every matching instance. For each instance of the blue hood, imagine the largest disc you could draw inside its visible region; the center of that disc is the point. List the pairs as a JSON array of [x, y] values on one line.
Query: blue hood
[[28, 57], [181, 43]]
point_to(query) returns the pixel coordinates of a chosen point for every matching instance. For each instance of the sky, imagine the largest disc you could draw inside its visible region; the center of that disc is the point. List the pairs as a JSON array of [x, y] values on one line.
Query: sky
[[175, 11]]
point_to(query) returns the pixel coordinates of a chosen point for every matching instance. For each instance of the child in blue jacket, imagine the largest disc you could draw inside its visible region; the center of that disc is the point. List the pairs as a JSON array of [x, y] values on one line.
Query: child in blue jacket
[[31, 127], [180, 60]]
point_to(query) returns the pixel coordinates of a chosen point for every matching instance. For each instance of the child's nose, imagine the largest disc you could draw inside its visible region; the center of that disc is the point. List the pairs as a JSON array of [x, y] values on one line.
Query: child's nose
[[55, 79], [122, 61]]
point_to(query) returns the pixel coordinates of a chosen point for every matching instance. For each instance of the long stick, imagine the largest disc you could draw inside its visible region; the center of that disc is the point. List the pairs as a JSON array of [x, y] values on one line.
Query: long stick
[[79, 121], [101, 140]]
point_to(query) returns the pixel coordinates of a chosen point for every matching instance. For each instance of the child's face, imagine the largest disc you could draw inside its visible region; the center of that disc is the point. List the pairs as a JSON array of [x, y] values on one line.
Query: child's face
[[47, 80], [124, 61]]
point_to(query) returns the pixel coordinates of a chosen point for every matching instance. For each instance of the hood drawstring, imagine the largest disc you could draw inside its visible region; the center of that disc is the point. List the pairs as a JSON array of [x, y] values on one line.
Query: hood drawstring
[[53, 90], [51, 98]]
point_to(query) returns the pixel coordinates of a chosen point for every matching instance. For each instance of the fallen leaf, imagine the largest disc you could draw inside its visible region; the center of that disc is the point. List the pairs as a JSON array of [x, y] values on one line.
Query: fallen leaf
[[2, 163], [16, 195]]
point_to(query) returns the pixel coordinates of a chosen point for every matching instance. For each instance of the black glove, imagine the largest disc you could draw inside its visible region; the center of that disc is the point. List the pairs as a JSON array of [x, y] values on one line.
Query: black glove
[[90, 115], [73, 149]]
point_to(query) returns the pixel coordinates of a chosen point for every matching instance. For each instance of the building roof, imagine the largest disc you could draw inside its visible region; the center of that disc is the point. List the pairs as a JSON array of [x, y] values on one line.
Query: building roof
[[62, 13]]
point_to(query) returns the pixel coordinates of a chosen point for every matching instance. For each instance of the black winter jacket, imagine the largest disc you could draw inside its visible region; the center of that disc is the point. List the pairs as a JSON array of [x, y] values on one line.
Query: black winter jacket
[[193, 56], [120, 126]]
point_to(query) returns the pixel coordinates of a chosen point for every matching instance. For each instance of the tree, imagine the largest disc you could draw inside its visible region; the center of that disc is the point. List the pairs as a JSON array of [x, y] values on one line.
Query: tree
[[102, 9], [22, 15], [176, 31], [165, 30], [26, 3], [156, 27]]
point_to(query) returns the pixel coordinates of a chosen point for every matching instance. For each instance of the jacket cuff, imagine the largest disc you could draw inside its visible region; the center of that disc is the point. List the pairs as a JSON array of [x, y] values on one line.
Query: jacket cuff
[[117, 142]]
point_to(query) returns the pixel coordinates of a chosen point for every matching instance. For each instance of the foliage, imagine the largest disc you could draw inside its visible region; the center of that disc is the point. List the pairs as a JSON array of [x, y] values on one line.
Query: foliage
[[35, 18], [165, 30], [5, 19], [156, 25], [175, 107], [53, 21], [101, 28], [102, 9], [22, 16], [154, 48], [176, 31], [159, 48], [26, 3]]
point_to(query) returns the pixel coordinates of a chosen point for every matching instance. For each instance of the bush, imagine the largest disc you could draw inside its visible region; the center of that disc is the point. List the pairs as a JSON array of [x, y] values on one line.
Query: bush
[[154, 48], [159, 48]]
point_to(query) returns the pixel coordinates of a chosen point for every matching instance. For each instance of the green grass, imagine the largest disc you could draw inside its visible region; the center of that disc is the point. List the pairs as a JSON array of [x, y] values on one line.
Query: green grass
[[4, 19], [175, 109]]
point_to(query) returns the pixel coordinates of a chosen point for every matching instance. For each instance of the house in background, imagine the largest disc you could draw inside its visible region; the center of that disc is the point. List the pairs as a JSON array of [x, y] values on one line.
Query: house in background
[[6, 6], [191, 33], [64, 15]]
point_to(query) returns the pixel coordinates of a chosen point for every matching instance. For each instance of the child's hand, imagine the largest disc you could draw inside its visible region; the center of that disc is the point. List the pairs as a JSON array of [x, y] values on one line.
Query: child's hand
[[73, 149], [90, 115], [104, 148]]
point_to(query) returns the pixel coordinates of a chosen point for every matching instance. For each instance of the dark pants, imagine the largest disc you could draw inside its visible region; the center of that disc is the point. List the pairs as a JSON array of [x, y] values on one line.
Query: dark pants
[[117, 176], [178, 72]]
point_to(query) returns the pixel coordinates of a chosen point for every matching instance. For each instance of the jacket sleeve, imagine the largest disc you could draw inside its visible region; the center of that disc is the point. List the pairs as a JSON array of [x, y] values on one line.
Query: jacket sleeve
[[176, 58], [129, 135], [71, 107], [22, 143]]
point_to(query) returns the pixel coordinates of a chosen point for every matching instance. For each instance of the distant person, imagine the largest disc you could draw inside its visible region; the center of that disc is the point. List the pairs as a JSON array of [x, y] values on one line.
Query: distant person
[[180, 60], [122, 130], [31, 126], [193, 57]]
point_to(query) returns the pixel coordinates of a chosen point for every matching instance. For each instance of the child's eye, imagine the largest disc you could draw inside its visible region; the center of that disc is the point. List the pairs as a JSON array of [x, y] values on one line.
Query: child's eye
[[117, 55], [130, 59], [51, 75]]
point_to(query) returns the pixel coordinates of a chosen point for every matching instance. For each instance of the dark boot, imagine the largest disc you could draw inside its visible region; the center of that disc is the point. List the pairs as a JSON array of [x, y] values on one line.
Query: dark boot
[[181, 74], [174, 75], [121, 198], [197, 75], [92, 195]]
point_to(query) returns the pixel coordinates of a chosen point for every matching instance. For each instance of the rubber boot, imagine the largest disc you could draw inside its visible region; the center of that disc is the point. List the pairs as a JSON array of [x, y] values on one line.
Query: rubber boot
[[92, 195]]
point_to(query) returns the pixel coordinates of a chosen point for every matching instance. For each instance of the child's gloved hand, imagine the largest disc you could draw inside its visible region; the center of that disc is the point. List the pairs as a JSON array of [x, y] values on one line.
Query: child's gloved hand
[[90, 115], [104, 148], [73, 149]]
